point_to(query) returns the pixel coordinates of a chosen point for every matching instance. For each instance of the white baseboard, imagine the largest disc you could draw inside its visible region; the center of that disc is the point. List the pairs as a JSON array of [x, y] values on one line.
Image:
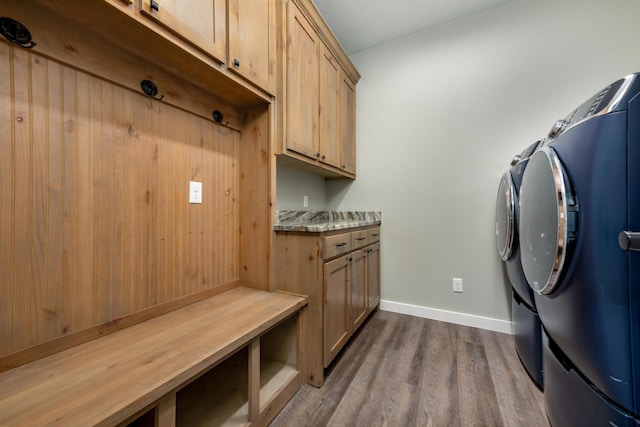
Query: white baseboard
[[448, 316]]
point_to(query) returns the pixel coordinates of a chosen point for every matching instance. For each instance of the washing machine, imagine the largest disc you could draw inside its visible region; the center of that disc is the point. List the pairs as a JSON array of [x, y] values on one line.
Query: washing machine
[[525, 319], [579, 211]]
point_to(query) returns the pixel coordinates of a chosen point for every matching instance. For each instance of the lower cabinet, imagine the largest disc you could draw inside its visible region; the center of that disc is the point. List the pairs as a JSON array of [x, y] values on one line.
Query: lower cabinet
[[373, 275], [337, 325], [358, 262], [340, 273]]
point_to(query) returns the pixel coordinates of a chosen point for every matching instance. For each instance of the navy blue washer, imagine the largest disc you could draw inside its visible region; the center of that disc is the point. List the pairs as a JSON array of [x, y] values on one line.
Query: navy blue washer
[[578, 193]]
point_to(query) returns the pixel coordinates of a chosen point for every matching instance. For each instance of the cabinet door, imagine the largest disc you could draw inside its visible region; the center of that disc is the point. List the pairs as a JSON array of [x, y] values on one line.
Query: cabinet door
[[301, 84], [358, 288], [347, 124], [373, 276], [329, 108], [252, 41], [336, 307], [200, 22]]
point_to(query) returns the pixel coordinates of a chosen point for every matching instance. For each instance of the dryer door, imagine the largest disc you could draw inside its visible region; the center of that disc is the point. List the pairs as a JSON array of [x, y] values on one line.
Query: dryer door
[[547, 220], [505, 217]]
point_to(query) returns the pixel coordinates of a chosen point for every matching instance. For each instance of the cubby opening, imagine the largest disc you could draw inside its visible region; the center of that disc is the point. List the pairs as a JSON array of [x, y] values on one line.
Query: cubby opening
[[219, 397], [278, 359], [148, 419]]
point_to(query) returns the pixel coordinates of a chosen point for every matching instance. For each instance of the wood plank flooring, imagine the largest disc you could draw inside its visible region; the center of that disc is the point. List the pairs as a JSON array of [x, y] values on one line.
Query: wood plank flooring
[[402, 370]]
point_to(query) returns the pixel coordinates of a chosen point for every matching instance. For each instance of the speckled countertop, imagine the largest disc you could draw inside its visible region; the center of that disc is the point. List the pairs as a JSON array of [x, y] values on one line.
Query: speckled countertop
[[320, 221]]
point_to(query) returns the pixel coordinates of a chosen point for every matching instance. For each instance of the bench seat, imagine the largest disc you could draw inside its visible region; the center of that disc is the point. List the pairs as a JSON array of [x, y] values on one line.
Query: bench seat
[[112, 378]]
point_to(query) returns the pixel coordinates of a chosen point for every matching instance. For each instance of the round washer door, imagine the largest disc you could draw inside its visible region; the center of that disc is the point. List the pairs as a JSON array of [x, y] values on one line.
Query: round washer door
[[505, 217], [545, 200]]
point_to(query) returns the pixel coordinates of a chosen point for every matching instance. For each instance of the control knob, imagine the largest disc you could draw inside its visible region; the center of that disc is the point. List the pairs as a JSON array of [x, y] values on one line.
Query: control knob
[[558, 127]]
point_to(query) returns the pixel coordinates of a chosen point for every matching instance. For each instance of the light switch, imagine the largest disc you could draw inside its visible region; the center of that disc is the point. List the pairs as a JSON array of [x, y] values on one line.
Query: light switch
[[195, 192]]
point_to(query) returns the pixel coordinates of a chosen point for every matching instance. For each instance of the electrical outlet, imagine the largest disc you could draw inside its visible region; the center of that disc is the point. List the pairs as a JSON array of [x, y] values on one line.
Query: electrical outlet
[[457, 284], [305, 201]]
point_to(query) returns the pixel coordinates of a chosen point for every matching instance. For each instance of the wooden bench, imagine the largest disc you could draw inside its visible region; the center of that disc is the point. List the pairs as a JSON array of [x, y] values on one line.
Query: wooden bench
[[150, 368]]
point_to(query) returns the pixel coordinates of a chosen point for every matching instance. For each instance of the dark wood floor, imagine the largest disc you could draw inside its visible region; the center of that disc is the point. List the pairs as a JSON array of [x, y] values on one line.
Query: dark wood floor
[[407, 371]]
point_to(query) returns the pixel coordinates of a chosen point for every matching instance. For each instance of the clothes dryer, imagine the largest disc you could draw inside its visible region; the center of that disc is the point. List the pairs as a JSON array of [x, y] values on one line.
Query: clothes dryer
[[525, 319], [579, 192]]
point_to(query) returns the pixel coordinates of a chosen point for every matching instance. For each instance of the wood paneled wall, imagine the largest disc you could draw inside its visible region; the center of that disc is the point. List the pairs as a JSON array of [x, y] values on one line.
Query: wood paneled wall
[[95, 222]]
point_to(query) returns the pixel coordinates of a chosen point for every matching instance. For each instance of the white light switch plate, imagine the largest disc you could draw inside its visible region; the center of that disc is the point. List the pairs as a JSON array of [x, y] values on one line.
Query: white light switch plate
[[195, 192]]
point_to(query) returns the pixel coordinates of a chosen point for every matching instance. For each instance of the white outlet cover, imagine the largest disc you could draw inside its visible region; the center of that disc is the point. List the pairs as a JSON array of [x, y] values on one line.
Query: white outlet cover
[[457, 285], [195, 192]]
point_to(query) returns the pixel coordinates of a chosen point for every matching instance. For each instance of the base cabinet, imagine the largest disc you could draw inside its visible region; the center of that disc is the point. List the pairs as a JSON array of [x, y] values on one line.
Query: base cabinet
[[337, 327], [358, 261], [373, 275], [340, 273]]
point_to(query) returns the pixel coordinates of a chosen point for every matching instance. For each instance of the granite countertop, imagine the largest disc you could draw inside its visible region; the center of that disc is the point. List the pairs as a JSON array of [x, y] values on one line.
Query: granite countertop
[[320, 221]]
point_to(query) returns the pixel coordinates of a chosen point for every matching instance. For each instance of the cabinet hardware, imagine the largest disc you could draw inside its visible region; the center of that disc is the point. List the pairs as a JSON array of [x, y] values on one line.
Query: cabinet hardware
[[323, 157], [341, 244], [236, 63], [155, 6], [16, 33], [361, 238], [317, 154], [150, 89]]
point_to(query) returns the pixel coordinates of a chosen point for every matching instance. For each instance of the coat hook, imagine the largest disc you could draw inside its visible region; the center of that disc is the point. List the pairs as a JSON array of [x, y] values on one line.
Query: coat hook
[[218, 116], [16, 33], [149, 88]]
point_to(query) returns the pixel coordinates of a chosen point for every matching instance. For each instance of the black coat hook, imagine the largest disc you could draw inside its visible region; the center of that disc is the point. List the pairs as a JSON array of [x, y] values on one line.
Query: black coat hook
[[218, 116], [16, 33], [149, 88]]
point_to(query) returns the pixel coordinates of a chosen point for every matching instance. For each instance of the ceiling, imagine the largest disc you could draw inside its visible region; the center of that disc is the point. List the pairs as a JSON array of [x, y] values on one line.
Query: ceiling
[[361, 24]]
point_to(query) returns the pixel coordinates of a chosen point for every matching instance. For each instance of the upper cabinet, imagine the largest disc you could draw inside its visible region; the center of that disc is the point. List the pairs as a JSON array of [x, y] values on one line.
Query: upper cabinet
[[318, 92], [347, 113], [200, 22], [252, 41], [301, 85], [241, 34], [330, 76]]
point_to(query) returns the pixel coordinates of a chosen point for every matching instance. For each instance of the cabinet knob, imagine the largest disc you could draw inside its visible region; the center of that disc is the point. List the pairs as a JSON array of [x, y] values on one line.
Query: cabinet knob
[[155, 6], [317, 154], [236, 63], [323, 157]]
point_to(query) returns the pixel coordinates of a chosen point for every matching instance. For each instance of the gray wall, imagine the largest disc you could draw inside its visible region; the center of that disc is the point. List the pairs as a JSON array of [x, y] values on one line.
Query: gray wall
[[291, 187], [440, 115]]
